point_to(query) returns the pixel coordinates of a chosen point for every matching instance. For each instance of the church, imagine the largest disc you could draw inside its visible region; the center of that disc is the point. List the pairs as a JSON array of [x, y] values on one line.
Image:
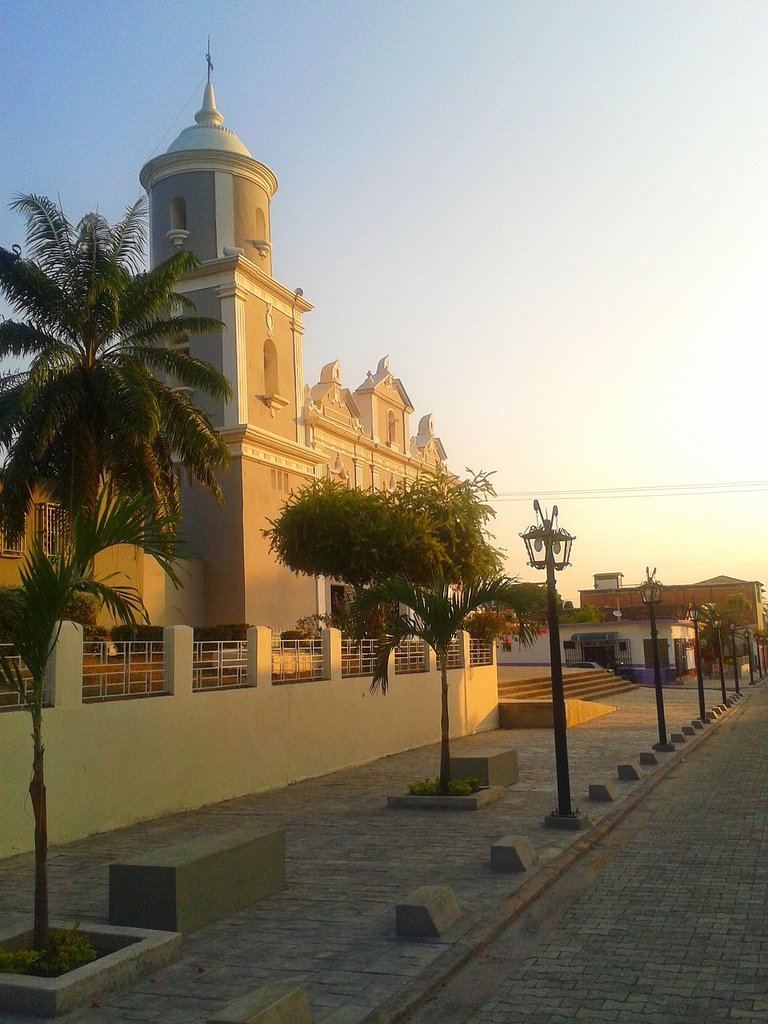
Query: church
[[208, 194]]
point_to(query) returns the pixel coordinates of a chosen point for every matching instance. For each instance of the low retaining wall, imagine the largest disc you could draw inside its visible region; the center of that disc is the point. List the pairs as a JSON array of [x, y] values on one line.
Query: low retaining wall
[[112, 763]]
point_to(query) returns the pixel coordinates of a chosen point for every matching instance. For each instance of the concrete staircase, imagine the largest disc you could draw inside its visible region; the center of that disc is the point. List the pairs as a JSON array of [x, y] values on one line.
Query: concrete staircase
[[526, 702], [578, 684]]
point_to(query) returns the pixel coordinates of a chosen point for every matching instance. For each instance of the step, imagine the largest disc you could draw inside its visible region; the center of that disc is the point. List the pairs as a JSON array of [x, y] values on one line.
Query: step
[[573, 688]]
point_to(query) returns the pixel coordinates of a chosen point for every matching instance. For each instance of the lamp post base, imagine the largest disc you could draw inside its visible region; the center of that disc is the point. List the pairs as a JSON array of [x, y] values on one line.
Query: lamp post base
[[574, 822], [665, 748]]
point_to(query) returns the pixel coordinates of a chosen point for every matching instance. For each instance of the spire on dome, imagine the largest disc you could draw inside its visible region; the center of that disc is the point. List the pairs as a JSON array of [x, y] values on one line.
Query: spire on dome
[[208, 132], [208, 114]]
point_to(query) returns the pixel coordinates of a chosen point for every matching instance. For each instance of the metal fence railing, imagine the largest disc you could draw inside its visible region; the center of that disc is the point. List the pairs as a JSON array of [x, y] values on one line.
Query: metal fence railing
[[219, 664], [123, 669], [358, 657], [480, 652], [10, 699], [411, 656], [296, 660]]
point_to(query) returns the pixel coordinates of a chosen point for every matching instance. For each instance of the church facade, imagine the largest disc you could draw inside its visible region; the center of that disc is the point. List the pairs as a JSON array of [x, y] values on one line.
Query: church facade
[[207, 193]]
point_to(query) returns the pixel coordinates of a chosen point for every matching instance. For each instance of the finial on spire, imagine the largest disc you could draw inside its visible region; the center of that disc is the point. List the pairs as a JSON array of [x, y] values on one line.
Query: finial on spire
[[208, 60]]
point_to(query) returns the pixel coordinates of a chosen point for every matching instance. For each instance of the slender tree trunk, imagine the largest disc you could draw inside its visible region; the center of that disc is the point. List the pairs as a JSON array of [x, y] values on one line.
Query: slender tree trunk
[[39, 808], [445, 743]]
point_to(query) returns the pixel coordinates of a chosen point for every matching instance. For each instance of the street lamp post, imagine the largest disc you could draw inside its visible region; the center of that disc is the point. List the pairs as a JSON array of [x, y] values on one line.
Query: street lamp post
[[695, 613], [735, 659], [717, 625], [650, 591], [549, 547], [748, 641]]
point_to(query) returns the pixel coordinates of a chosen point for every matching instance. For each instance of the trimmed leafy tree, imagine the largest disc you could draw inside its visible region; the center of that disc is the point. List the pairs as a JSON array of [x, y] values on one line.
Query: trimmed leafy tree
[[48, 586], [89, 407], [434, 526], [435, 614]]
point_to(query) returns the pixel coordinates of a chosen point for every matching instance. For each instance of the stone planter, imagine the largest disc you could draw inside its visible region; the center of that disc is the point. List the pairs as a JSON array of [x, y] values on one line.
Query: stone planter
[[482, 798], [126, 953]]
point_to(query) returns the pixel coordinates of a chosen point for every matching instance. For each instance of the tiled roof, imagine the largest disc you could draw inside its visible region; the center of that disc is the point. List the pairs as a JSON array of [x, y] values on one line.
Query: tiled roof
[[638, 613]]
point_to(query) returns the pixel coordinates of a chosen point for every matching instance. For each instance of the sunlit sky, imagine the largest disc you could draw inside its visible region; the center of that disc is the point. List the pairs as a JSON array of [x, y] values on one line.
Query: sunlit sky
[[552, 216]]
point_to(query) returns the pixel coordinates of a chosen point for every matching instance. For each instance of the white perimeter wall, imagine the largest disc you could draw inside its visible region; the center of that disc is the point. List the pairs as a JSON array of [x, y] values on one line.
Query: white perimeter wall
[[113, 763]]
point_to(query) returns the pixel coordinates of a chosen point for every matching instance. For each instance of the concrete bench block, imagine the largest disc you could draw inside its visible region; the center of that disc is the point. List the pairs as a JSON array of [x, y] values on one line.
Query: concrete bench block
[[628, 772], [648, 757], [513, 853], [688, 730], [280, 1003], [677, 737], [493, 767], [710, 716], [697, 723], [602, 791], [427, 912], [185, 885]]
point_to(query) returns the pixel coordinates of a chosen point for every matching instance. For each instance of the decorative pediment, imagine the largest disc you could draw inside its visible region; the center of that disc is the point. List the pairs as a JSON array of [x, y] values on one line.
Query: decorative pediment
[[330, 400], [384, 383], [426, 445]]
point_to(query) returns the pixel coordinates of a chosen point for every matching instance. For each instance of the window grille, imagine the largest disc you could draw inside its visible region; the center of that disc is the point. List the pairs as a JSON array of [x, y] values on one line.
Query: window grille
[[663, 648], [51, 528], [13, 546]]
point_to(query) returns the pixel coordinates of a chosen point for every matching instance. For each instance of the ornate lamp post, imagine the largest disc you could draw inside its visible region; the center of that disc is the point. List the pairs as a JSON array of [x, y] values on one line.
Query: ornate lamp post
[[549, 547], [650, 591], [695, 612], [717, 625], [735, 659]]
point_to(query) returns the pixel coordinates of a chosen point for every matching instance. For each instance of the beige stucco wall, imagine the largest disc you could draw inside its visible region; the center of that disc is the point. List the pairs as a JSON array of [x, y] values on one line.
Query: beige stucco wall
[[114, 763], [273, 594], [171, 606]]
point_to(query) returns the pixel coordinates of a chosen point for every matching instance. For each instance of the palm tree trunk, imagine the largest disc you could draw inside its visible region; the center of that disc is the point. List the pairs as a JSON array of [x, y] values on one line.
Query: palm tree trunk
[[39, 808], [445, 743]]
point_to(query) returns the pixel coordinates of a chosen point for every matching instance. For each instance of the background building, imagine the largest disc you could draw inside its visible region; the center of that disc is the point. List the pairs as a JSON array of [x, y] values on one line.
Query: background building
[[609, 592]]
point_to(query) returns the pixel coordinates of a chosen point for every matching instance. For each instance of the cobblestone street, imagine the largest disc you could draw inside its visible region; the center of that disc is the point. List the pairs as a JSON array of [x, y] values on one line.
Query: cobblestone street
[[665, 922]]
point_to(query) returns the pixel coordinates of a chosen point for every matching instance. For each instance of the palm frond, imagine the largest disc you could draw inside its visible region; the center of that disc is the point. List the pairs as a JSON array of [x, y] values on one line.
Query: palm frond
[[129, 237], [49, 233]]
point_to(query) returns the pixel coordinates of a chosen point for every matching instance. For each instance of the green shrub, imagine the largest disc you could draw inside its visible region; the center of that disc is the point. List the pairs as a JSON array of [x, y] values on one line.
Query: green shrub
[[224, 631], [142, 633], [456, 787], [66, 950]]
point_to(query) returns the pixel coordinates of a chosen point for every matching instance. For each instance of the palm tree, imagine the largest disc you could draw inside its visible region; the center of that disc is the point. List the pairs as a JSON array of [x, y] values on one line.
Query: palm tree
[[48, 585], [88, 406], [435, 615]]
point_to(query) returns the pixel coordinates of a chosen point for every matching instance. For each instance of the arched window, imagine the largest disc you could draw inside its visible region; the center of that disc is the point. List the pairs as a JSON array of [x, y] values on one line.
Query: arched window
[[391, 428], [179, 214], [270, 368]]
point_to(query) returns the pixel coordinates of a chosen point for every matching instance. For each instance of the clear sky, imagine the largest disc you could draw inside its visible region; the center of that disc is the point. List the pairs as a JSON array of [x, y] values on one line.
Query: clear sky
[[552, 216]]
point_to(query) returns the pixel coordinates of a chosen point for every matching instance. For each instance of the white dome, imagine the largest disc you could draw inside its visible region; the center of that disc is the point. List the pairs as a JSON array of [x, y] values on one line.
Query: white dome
[[209, 131]]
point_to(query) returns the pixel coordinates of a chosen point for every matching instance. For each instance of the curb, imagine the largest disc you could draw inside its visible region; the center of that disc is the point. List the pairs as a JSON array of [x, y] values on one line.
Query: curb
[[417, 992]]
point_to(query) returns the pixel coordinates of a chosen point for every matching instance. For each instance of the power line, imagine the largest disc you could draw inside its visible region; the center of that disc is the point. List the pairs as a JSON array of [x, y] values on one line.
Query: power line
[[648, 491]]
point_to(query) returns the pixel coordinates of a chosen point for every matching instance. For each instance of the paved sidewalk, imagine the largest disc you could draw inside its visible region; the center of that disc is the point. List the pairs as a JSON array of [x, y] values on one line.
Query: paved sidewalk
[[350, 860], [666, 921]]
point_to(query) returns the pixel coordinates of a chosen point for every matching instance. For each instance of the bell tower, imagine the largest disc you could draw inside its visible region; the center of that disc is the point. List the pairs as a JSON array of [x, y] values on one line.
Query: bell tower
[[208, 194]]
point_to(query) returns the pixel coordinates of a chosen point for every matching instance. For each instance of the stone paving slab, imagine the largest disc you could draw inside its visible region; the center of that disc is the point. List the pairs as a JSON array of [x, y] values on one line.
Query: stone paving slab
[[350, 859], [666, 921]]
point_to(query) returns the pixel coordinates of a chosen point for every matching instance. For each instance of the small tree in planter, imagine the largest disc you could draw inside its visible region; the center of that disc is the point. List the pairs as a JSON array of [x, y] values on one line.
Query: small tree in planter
[[435, 615], [48, 586]]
